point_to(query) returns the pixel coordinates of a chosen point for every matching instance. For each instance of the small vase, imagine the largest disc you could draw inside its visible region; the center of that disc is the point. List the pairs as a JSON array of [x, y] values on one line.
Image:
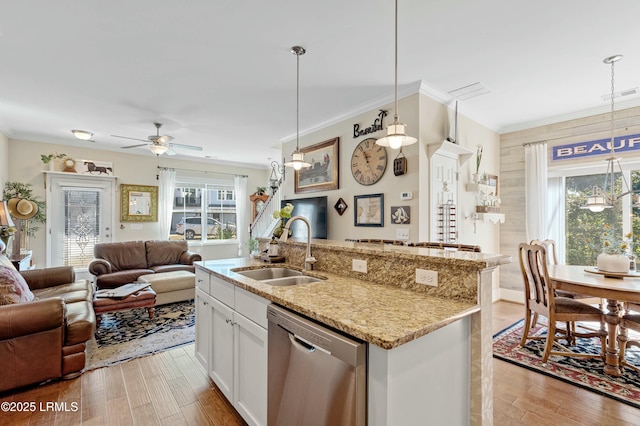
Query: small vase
[[476, 177], [617, 263]]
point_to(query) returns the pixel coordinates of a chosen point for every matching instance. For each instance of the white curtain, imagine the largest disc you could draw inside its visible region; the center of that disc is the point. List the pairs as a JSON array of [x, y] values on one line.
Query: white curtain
[[242, 199], [556, 215], [165, 201], [535, 177]]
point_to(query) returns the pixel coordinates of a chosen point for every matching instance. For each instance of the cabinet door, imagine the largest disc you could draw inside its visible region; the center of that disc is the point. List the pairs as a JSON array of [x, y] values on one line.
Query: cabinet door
[[250, 376], [221, 356], [203, 317]]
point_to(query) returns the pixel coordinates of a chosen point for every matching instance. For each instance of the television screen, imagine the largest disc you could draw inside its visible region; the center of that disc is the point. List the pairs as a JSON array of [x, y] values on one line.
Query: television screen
[[315, 211]]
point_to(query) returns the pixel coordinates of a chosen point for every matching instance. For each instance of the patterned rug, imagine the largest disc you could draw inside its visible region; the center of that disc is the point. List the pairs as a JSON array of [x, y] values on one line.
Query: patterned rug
[[130, 334], [586, 373]]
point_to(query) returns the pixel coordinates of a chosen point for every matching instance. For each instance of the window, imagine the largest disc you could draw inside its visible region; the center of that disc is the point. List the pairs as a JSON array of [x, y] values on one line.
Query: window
[[584, 228], [204, 210]]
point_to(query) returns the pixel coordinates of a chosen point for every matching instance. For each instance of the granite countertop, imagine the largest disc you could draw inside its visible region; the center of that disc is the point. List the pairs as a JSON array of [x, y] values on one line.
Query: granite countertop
[[383, 315]]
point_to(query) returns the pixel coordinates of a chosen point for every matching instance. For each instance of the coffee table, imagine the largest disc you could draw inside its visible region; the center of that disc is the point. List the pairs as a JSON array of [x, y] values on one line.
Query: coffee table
[[145, 298]]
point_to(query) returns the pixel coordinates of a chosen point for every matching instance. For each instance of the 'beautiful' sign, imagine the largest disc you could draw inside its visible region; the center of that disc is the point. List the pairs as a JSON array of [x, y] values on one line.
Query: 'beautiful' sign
[[597, 147]]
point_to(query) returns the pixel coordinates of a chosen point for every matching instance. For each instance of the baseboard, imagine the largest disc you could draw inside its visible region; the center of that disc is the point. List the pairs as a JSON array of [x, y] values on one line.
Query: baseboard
[[516, 296]]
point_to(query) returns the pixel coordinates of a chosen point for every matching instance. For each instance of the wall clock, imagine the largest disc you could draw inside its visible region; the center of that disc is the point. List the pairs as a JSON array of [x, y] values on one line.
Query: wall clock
[[368, 162]]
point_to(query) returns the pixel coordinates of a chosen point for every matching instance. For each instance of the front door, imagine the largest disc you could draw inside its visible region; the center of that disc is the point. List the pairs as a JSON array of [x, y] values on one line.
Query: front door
[[79, 215]]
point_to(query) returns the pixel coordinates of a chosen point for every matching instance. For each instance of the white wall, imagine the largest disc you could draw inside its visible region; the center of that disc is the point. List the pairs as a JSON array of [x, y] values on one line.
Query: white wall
[[130, 168]]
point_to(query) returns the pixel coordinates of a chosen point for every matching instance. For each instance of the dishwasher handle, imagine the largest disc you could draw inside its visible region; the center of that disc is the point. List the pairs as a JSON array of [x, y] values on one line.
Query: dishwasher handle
[[301, 344]]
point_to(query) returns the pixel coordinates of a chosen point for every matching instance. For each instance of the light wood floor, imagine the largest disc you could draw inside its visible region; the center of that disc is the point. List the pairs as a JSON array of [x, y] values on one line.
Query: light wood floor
[[171, 388]]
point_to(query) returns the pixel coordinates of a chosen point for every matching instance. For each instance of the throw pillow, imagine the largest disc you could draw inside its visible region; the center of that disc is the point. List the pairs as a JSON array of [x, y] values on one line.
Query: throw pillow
[[4, 261], [13, 287]]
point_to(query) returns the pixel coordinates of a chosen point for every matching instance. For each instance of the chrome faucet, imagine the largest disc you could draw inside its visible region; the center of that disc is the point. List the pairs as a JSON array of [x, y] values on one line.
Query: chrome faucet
[[308, 260]]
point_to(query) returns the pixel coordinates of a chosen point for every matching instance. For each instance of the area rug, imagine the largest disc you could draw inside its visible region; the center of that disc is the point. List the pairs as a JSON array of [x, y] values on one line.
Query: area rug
[[130, 334], [586, 373]]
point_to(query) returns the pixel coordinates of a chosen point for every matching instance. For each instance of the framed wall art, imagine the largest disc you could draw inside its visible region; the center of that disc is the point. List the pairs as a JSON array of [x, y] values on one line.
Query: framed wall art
[[401, 215], [323, 173], [138, 203], [369, 210], [492, 180]]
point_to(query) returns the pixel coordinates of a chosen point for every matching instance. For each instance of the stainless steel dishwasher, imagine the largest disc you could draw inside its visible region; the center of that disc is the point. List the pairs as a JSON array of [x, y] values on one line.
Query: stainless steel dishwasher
[[316, 375]]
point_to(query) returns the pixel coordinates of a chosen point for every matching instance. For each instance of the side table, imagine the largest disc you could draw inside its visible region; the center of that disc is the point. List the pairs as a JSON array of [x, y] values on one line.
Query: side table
[[21, 262]]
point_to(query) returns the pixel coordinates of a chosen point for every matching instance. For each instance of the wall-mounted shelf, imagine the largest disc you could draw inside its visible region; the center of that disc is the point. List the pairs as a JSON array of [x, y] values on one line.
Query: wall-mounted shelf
[[489, 217]]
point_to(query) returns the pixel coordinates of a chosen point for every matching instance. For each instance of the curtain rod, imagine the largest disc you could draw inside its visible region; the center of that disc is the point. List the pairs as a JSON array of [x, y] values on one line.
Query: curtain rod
[[200, 171]]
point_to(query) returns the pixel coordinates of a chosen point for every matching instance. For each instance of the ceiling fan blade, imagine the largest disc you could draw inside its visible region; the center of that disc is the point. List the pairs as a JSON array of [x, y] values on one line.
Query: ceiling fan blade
[[126, 137], [170, 152], [193, 147], [134, 146], [165, 138]]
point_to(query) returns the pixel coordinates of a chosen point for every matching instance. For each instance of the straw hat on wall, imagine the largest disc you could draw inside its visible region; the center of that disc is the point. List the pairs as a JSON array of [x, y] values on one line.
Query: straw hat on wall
[[21, 208]]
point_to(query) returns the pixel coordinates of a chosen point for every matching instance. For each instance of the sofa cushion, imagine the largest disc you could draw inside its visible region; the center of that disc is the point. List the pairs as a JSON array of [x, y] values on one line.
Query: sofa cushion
[[161, 252], [171, 268], [80, 322], [71, 292], [119, 278], [13, 287], [122, 256]]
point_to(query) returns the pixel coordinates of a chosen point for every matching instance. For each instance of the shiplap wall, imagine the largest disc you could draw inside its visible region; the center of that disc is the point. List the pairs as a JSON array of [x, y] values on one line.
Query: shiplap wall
[[512, 232]]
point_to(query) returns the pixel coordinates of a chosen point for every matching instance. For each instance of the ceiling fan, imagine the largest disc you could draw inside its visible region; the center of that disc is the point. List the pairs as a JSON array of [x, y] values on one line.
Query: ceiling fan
[[159, 144]]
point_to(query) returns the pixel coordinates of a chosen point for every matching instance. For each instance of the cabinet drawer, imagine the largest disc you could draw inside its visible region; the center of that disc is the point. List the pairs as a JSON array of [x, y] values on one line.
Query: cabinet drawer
[[252, 306], [222, 290], [202, 280]]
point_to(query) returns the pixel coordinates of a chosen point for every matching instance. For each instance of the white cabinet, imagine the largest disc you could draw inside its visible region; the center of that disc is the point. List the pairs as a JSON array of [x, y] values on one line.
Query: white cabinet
[[250, 373], [221, 359], [203, 315], [231, 343]]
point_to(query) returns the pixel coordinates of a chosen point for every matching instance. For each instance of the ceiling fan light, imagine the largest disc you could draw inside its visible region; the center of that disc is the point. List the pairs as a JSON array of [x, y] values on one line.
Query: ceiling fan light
[[158, 149], [396, 137], [82, 134]]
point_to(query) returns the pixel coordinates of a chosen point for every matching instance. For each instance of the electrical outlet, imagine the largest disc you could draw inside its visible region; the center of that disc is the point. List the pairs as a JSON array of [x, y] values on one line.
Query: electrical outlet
[[359, 265], [427, 277], [402, 234]]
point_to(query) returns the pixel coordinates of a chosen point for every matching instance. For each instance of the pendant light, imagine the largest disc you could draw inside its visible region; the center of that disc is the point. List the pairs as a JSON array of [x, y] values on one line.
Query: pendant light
[[606, 197], [297, 157], [396, 136]]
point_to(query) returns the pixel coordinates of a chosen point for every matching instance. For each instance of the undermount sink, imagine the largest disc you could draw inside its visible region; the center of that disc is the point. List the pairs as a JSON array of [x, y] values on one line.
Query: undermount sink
[[263, 274], [303, 279], [278, 276]]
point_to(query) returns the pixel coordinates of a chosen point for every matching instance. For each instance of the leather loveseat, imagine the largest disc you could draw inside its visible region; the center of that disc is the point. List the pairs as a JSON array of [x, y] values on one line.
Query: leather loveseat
[[46, 338], [116, 264]]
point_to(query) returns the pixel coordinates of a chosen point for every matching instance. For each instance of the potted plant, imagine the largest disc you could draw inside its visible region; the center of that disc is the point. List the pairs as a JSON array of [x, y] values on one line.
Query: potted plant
[[283, 214], [476, 175], [613, 257], [47, 159]]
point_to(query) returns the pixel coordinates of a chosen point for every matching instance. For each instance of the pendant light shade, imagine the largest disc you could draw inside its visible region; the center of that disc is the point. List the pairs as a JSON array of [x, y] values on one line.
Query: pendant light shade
[[396, 136], [297, 157], [606, 197]]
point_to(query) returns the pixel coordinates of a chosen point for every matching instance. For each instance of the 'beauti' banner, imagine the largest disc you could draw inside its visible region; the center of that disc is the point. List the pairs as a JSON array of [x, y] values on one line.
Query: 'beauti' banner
[[598, 147]]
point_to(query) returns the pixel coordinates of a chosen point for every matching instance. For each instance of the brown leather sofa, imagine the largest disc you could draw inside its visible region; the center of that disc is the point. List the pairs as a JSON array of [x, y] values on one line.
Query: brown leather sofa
[[121, 263], [46, 338]]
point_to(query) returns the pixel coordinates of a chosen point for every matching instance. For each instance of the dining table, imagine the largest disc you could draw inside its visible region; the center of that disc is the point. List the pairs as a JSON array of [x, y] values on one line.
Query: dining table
[[613, 287]]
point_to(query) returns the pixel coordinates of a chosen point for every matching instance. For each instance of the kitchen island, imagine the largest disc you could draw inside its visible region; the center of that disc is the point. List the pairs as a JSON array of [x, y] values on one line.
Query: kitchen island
[[428, 357]]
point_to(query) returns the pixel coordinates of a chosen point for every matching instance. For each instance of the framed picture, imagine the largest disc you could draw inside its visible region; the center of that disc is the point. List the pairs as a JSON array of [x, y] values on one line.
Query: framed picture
[[401, 215], [369, 210], [138, 203], [340, 206], [492, 180], [323, 173]]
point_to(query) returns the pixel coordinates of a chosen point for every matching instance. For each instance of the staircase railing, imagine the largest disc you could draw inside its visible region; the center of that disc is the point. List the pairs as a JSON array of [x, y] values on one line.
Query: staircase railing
[[264, 223]]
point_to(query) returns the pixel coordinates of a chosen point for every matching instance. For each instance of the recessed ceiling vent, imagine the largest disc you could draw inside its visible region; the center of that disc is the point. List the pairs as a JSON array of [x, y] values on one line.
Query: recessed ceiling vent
[[468, 92], [620, 94]]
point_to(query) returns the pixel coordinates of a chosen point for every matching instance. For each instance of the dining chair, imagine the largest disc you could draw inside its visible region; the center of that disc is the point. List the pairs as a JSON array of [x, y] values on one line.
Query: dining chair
[[440, 245], [630, 320], [541, 299]]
